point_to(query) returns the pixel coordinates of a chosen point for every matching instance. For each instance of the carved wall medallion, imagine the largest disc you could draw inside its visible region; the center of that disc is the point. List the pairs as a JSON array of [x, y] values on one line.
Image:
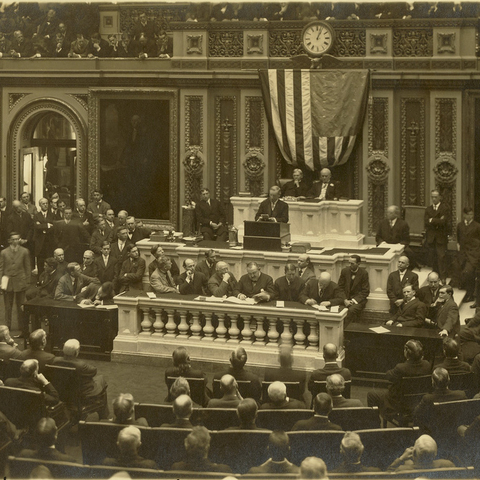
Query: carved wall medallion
[[377, 173], [254, 44], [378, 43], [14, 99], [377, 169], [193, 164], [225, 44], [254, 167], [445, 170], [194, 44], [417, 42], [446, 42]]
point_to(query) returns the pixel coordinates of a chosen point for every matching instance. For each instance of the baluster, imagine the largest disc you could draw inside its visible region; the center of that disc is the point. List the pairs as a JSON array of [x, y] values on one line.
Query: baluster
[[233, 331], [272, 332], [286, 336], [171, 326], [313, 337], [221, 329], [260, 332], [158, 324], [208, 328], [146, 323], [196, 328], [247, 331], [183, 325], [299, 337]]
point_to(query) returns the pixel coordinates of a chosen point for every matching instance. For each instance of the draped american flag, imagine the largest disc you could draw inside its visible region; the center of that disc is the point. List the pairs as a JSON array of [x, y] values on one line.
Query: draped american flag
[[316, 115]]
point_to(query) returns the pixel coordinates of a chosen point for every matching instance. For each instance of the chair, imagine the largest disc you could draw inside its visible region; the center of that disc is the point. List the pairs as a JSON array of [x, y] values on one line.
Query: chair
[[293, 390], [197, 389], [322, 444], [454, 472], [67, 382], [24, 408], [240, 449], [356, 418], [12, 368], [156, 415], [215, 418], [320, 386], [243, 388], [169, 446], [278, 419], [464, 381], [384, 445], [415, 217], [22, 467]]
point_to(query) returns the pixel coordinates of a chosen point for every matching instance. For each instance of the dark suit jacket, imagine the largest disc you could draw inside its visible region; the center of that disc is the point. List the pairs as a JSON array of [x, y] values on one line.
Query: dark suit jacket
[[426, 296], [291, 190], [3, 226], [342, 402], [134, 462], [8, 351], [308, 274], [43, 235], [218, 288], [227, 401], [70, 234], [280, 212], [345, 467], [316, 190], [292, 404], [331, 294], [411, 314], [90, 270], [283, 374], [131, 274], [47, 283], [106, 273], [400, 233], [468, 237], [51, 395], [40, 355], [209, 213], [436, 231], [321, 374], [359, 289], [65, 289], [199, 286], [16, 266], [395, 286], [47, 454], [87, 216], [243, 374], [22, 224], [139, 234], [97, 240], [207, 270], [316, 423], [264, 282], [454, 366], [121, 256], [288, 292], [447, 318]]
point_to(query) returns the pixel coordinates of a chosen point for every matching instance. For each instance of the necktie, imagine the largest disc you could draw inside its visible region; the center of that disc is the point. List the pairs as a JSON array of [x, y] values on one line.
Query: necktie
[[75, 286]]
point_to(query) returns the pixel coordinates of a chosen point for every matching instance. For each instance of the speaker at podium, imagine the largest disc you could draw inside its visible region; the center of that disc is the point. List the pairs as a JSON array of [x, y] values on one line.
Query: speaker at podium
[[265, 235]]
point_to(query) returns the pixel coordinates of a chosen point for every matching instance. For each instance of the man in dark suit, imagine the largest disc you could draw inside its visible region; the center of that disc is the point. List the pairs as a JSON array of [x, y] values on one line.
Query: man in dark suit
[[106, 264], [411, 313], [182, 409], [71, 236], [335, 388], [297, 187], [324, 189], [223, 282], [277, 398], [73, 283], [255, 284], [124, 411], [414, 366], [322, 406], [47, 282], [451, 362], [289, 287], [211, 219], [43, 234], [101, 234], [397, 280], [59, 256], [429, 293], [89, 268], [111, 223], [145, 26], [447, 318], [15, 274], [393, 229], [306, 270], [21, 222], [91, 384], [8, 348], [322, 292], [351, 449], [4, 214], [132, 270], [276, 209], [136, 233], [230, 395], [192, 282], [119, 246], [355, 287], [157, 253], [437, 229], [81, 214], [36, 349], [207, 265]]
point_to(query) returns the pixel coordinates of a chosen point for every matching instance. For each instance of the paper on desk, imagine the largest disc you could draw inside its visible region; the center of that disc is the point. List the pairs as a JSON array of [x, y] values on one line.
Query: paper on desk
[[320, 308], [107, 307], [151, 295], [202, 298], [247, 301], [280, 304], [379, 329], [84, 305], [334, 309]]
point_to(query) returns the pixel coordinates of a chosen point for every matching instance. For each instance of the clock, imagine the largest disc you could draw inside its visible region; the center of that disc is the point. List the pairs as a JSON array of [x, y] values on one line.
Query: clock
[[317, 38]]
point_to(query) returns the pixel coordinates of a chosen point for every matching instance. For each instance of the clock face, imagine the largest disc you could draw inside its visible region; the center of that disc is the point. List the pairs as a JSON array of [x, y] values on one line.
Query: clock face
[[317, 38]]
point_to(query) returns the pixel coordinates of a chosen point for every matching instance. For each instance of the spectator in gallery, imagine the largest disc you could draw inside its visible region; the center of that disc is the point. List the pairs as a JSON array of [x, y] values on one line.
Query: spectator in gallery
[[20, 47], [126, 46], [210, 215], [98, 47], [143, 26], [164, 45], [79, 47], [144, 47]]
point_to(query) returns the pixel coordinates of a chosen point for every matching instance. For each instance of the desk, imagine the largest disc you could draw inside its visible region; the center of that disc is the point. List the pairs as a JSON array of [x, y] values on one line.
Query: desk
[[369, 354], [94, 328]]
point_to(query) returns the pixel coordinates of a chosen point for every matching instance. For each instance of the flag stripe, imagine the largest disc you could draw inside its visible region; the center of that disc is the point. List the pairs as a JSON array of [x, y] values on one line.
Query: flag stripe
[[331, 151], [290, 114], [298, 114], [276, 121], [322, 143], [307, 120], [281, 110]]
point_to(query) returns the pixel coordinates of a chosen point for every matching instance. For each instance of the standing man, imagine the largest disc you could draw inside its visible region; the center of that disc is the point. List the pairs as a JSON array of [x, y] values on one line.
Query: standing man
[[207, 266], [106, 264], [59, 256], [15, 276], [296, 187], [437, 228], [276, 209], [101, 234], [397, 280], [81, 214], [71, 236], [136, 233], [43, 234], [306, 270], [255, 284], [4, 213], [132, 270], [324, 190], [355, 287], [89, 268], [27, 205], [21, 222], [211, 218]]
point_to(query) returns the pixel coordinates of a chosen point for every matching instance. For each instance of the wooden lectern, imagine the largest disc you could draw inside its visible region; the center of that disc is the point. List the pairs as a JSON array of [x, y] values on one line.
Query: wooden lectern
[[265, 235]]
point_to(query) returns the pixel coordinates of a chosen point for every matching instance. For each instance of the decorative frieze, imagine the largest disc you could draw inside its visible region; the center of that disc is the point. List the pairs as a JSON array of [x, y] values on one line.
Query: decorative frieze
[[225, 43], [417, 42], [350, 42]]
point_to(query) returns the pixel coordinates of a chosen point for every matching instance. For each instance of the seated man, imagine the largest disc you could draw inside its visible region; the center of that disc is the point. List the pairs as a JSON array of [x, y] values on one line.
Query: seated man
[[179, 387], [30, 379], [289, 287], [92, 385], [37, 341], [197, 445], [429, 293], [313, 467], [447, 319], [238, 359], [306, 270], [59, 256], [273, 207], [223, 283], [421, 456], [211, 217], [131, 272], [192, 282], [324, 189], [73, 283], [441, 393], [89, 268], [322, 406], [330, 354], [393, 229], [411, 313], [231, 396], [128, 442], [47, 281], [255, 284], [415, 366], [8, 348], [335, 388], [207, 265], [157, 253], [161, 279], [182, 409], [355, 287], [296, 187], [452, 363], [278, 450], [247, 414], [277, 394], [351, 450], [322, 291], [397, 280], [124, 411], [45, 439]]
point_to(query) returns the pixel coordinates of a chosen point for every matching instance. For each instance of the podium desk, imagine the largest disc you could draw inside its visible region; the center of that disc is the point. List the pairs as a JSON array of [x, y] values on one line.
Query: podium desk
[[268, 236]]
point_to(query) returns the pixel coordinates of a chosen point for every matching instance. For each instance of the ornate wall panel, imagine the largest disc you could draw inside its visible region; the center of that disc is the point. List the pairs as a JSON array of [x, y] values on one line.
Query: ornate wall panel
[[350, 42], [160, 15], [413, 42], [283, 43], [412, 140], [225, 44]]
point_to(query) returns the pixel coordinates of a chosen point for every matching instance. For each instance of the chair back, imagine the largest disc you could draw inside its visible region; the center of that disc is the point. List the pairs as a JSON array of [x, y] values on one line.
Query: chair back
[[464, 381], [453, 472], [293, 390], [12, 368], [244, 387], [320, 386], [3, 364], [412, 389], [197, 389], [22, 467], [356, 418], [169, 446], [279, 419], [22, 407], [156, 415], [215, 418], [415, 217], [66, 382]]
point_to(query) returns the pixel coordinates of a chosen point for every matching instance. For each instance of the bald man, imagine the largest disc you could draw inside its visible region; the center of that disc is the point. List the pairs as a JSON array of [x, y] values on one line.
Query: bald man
[[322, 291], [277, 396], [397, 280], [231, 396], [393, 229], [276, 209], [182, 409], [223, 282], [324, 189]]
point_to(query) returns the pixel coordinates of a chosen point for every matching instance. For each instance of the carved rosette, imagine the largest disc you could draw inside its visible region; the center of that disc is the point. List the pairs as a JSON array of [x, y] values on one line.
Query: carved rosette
[[194, 44], [254, 168], [445, 172], [378, 43], [225, 44], [254, 44], [377, 173], [193, 165], [446, 126], [446, 42], [417, 42]]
